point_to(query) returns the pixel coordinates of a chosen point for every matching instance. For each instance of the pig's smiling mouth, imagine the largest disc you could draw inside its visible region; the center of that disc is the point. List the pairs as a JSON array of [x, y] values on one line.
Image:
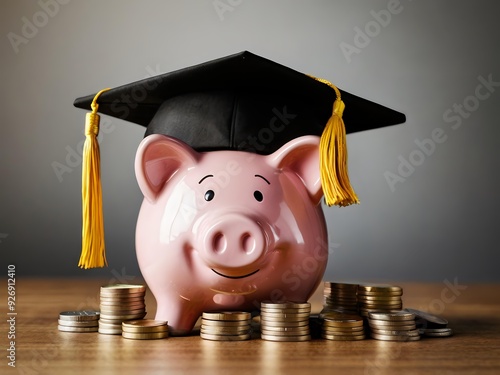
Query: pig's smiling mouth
[[236, 277]]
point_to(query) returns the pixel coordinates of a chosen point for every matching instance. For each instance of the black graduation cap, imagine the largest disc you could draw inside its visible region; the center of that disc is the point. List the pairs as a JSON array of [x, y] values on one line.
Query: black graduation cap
[[240, 102]]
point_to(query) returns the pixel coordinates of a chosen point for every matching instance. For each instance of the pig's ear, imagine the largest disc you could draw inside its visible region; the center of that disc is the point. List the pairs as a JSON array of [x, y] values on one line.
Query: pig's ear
[[158, 158], [301, 156]]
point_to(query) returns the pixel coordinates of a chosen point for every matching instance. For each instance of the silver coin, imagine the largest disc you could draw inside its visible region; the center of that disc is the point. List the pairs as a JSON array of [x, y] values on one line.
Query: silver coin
[[394, 337], [79, 315], [428, 317], [78, 323], [392, 316], [76, 329], [438, 332]]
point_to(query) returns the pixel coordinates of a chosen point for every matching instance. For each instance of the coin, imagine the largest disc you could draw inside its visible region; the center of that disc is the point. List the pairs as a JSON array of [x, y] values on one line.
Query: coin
[[288, 316], [76, 323], [116, 289], [225, 323], [76, 329], [285, 305], [392, 316], [277, 323], [144, 336], [342, 329], [225, 337], [123, 317], [145, 326], [225, 330], [437, 332], [412, 332], [266, 332], [300, 329], [428, 317], [270, 310], [110, 331], [342, 337], [379, 288], [394, 337], [83, 315], [227, 315], [285, 338], [406, 327]]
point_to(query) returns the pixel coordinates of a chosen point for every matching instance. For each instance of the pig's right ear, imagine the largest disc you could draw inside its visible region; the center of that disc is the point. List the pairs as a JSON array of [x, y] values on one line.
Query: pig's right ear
[[158, 158]]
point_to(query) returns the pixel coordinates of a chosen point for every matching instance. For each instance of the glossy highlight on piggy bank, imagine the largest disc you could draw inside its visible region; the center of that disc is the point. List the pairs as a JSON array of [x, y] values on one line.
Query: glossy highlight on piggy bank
[[225, 230]]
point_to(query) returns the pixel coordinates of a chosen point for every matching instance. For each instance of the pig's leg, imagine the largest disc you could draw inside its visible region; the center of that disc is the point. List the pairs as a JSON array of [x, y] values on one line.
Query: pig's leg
[[180, 315]]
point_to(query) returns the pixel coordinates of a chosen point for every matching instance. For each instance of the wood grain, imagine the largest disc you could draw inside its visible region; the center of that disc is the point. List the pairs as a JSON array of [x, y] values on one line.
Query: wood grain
[[473, 313]]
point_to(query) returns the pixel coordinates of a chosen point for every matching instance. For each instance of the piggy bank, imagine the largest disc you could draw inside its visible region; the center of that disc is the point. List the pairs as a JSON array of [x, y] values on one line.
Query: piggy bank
[[225, 230]]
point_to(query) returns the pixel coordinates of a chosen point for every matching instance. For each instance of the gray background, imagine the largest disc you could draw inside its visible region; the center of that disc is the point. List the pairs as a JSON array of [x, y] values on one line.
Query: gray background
[[440, 223]]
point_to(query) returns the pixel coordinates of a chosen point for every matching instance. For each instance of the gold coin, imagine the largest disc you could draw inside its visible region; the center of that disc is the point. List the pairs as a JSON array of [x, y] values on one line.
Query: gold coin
[[227, 315], [77, 329], [292, 316], [278, 330], [379, 288], [123, 288], [394, 338], [278, 323], [331, 284], [225, 323], [270, 310], [343, 329], [284, 333], [218, 332], [118, 304], [287, 319], [342, 338], [285, 338], [144, 326], [76, 323], [379, 298], [285, 305], [145, 336], [225, 337], [79, 315]]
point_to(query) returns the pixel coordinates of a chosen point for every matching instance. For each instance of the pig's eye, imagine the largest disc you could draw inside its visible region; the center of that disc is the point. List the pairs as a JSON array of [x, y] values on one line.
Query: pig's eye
[[258, 196], [209, 195]]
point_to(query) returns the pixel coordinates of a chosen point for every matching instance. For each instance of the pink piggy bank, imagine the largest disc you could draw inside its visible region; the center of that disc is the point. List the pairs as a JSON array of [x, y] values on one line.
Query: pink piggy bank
[[225, 230]]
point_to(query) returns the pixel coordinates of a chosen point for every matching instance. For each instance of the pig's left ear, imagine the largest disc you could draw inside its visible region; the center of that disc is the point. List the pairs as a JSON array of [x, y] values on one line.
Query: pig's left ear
[[301, 156], [158, 158]]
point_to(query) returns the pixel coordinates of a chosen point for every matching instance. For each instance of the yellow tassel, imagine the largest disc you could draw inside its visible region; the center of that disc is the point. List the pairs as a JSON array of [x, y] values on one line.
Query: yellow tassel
[[93, 250], [337, 188]]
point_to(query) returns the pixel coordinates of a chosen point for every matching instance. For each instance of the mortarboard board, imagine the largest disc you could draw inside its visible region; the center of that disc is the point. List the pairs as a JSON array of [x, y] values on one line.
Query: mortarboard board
[[240, 102]]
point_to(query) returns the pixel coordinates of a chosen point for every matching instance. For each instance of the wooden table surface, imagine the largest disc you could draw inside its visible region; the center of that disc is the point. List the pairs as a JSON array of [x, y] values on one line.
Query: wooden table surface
[[473, 311]]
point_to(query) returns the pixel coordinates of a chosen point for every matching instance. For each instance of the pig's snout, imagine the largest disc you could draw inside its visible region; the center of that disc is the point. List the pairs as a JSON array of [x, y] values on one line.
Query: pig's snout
[[232, 241]]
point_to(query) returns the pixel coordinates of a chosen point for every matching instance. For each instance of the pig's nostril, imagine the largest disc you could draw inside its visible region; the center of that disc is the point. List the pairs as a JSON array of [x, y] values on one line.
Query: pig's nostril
[[247, 243], [219, 243]]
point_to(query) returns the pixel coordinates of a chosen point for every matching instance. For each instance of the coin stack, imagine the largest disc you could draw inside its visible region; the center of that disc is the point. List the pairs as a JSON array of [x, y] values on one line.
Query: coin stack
[[340, 297], [78, 321], [120, 302], [379, 298], [145, 329], [226, 326], [393, 326], [430, 325], [342, 327], [287, 321]]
